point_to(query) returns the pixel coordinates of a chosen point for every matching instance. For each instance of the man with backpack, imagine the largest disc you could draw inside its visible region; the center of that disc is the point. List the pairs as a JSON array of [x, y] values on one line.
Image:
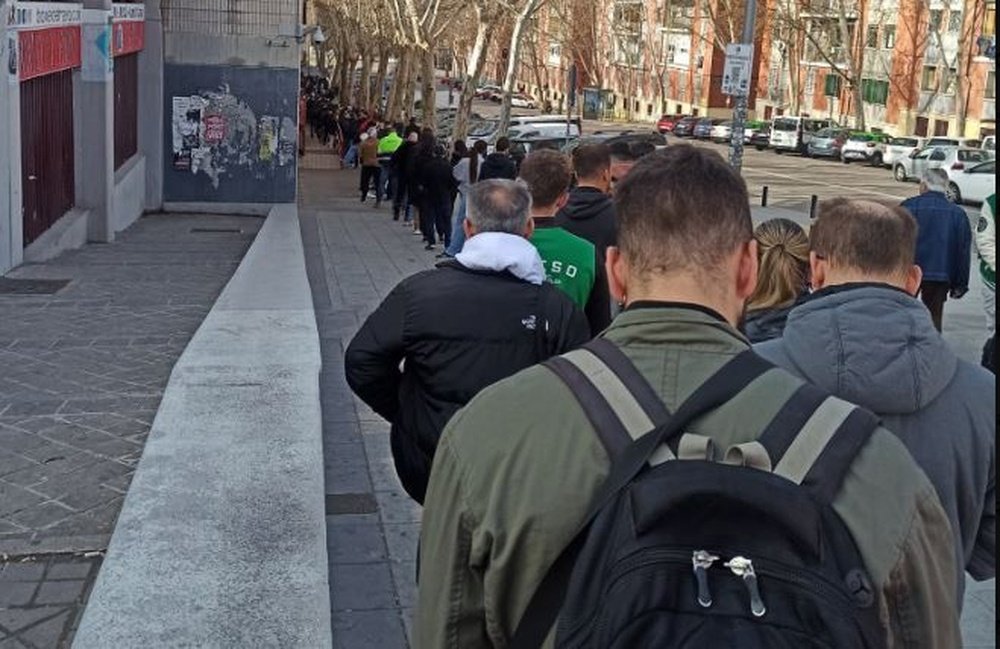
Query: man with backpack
[[752, 509], [468, 323], [863, 336]]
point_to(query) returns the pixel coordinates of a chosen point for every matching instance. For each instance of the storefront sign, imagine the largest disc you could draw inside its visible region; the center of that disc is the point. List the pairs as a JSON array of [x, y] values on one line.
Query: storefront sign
[[49, 35], [129, 29]]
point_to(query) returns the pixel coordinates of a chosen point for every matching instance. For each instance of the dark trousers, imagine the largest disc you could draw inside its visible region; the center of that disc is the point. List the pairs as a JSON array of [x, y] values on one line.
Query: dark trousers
[[934, 295], [386, 182], [435, 216], [369, 179]]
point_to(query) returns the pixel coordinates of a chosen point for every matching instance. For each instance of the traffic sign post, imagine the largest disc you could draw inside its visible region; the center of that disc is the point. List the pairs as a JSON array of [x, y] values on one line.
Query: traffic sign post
[[736, 82]]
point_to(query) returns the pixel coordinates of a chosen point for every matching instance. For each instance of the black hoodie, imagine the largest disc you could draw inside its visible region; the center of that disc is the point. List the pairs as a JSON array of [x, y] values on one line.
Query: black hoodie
[[590, 214]]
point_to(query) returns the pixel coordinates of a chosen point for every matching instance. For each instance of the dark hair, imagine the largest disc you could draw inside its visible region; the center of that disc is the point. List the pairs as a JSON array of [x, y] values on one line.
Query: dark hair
[[461, 148], [641, 149], [503, 144], [547, 174], [864, 235], [591, 159], [621, 151], [479, 149], [681, 208]]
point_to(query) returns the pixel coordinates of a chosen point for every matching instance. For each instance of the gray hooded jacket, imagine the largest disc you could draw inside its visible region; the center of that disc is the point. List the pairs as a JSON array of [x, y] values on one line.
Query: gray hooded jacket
[[875, 346]]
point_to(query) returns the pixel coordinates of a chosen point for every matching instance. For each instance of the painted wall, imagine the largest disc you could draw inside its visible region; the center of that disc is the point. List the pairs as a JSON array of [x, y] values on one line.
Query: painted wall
[[230, 133]]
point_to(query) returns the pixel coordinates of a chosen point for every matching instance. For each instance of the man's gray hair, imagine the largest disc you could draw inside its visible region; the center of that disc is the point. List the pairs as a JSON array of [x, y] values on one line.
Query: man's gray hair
[[935, 180], [499, 206]]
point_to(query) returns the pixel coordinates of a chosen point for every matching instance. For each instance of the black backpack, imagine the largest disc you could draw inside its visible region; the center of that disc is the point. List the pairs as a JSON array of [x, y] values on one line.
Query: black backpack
[[680, 550]]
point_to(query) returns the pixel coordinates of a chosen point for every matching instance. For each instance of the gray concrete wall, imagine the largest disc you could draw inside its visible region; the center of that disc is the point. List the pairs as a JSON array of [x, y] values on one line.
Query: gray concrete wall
[[11, 225], [67, 233], [129, 196], [221, 541], [151, 105]]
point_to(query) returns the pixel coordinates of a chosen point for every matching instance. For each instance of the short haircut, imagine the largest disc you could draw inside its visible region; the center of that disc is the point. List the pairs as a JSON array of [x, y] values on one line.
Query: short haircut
[[936, 180], [589, 160], [547, 174], [503, 144], [499, 206], [681, 208], [863, 235]]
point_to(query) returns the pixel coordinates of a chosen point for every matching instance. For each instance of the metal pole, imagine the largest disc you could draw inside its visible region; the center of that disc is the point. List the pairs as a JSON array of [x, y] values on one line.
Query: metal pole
[[740, 112]]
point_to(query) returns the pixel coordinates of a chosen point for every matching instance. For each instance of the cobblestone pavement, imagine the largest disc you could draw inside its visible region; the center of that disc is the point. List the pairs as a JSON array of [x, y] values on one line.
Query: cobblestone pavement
[[82, 372], [355, 255]]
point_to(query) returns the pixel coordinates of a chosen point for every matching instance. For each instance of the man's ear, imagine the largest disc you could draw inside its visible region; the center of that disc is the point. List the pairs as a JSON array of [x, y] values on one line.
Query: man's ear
[[606, 180], [817, 271], [529, 228], [470, 230], [914, 277], [614, 266], [746, 280], [561, 202]]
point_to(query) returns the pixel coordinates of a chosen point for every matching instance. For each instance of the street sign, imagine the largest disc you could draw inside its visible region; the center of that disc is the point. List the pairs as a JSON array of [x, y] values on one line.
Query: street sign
[[737, 73]]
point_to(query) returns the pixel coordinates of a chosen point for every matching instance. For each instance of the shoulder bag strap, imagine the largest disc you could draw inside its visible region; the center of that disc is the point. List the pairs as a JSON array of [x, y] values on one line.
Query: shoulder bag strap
[[544, 606]]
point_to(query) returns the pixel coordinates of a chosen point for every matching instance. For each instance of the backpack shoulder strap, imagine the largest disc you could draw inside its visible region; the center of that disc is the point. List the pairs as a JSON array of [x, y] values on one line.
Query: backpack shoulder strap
[[618, 401], [814, 439]]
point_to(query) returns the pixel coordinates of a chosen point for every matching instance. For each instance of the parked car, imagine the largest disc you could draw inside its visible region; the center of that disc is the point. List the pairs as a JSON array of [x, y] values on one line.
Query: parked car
[[488, 91], [521, 100], [954, 141], [703, 129], [750, 129], [795, 133], [761, 139], [863, 147], [827, 142], [521, 146], [950, 158], [666, 123], [657, 139], [989, 143], [722, 132], [897, 148], [973, 184], [685, 126]]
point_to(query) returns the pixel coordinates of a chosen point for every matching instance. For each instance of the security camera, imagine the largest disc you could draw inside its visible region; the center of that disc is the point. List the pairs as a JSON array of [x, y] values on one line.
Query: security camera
[[318, 36]]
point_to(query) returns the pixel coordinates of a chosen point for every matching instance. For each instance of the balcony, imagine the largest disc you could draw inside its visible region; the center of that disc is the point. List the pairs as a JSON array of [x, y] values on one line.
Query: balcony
[[937, 103]]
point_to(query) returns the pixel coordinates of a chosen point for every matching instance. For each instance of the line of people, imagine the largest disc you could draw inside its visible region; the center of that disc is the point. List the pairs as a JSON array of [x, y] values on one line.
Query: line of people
[[534, 427]]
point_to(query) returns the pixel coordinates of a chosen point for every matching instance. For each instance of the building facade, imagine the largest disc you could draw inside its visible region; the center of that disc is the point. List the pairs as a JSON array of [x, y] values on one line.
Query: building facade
[[111, 109]]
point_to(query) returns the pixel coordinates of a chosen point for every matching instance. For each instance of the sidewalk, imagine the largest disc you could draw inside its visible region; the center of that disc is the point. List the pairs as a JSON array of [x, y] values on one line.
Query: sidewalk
[[83, 372], [355, 255]]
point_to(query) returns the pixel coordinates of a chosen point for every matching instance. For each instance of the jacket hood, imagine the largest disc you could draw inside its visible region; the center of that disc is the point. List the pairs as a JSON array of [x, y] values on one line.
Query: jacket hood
[[872, 345], [499, 251], [586, 203]]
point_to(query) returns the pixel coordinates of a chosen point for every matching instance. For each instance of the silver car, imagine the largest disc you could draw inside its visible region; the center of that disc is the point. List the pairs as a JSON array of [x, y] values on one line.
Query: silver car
[[936, 157]]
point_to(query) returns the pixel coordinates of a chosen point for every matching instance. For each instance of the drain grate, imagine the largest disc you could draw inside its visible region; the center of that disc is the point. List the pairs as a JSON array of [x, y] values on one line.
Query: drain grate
[[220, 229], [339, 504], [12, 286]]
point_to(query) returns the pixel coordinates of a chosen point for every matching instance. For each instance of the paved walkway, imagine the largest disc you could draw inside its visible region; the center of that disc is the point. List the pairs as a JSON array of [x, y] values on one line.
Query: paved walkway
[[355, 256], [83, 371]]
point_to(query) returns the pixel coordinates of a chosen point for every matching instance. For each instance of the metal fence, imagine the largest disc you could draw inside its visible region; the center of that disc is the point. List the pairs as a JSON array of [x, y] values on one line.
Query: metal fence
[[229, 17], [126, 108], [47, 151]]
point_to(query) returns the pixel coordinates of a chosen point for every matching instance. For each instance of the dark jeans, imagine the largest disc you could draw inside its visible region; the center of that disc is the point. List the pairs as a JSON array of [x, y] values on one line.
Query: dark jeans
[[369, 179], [386, 181], [435, 216], [400, 198], [934, 295]]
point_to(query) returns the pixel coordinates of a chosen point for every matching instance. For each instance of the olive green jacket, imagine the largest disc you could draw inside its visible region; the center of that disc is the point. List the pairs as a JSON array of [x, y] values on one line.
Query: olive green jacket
[[516, 471]]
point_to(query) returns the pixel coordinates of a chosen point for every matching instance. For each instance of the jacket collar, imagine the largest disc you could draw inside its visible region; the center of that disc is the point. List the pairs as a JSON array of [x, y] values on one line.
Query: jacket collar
[[502, 252], [674, 323]]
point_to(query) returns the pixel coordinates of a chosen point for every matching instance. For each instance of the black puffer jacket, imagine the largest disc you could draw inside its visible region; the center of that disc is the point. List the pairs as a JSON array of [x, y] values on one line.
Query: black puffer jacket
[[498, 165], [457, 331], [590, 214]]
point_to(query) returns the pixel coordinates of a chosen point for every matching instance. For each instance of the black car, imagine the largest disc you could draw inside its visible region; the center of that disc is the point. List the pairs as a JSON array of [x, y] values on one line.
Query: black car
[[761, 138], [654, 138], [685, 127]]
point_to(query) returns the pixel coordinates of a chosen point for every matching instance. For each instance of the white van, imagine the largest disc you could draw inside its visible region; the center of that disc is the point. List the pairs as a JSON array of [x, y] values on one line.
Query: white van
[[547, 125], [794, 133]]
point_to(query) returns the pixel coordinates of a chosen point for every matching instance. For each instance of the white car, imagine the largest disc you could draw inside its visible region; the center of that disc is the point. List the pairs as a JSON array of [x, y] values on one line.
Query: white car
[[522, 101], [722, 132], [990, 143], [863, 147], [951, 159], [898, 148], [972, 184]]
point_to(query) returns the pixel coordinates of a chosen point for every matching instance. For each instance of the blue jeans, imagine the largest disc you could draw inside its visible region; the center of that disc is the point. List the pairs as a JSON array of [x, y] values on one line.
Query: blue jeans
[[386, 181], [457, 229], [351, 157]]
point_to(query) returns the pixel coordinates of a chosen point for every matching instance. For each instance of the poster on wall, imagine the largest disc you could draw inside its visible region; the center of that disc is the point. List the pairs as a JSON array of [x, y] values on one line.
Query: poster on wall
[[186, 121]]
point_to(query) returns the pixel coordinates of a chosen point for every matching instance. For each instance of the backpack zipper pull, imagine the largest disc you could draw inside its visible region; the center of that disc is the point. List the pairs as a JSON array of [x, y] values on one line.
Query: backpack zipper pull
[[743, 567], [702, 561]]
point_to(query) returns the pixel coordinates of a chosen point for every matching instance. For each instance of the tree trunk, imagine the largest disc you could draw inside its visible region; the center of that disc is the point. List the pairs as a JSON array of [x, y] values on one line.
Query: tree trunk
[[510, 77], [345, 74], [383, 68], [853, 68], [428, 90], [474, 69], [409, 82], [365, 81], [793, 80], [395, 103]]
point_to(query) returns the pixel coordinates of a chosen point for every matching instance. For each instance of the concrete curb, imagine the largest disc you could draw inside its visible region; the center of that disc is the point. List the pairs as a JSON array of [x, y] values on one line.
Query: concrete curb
[[221, 541]]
